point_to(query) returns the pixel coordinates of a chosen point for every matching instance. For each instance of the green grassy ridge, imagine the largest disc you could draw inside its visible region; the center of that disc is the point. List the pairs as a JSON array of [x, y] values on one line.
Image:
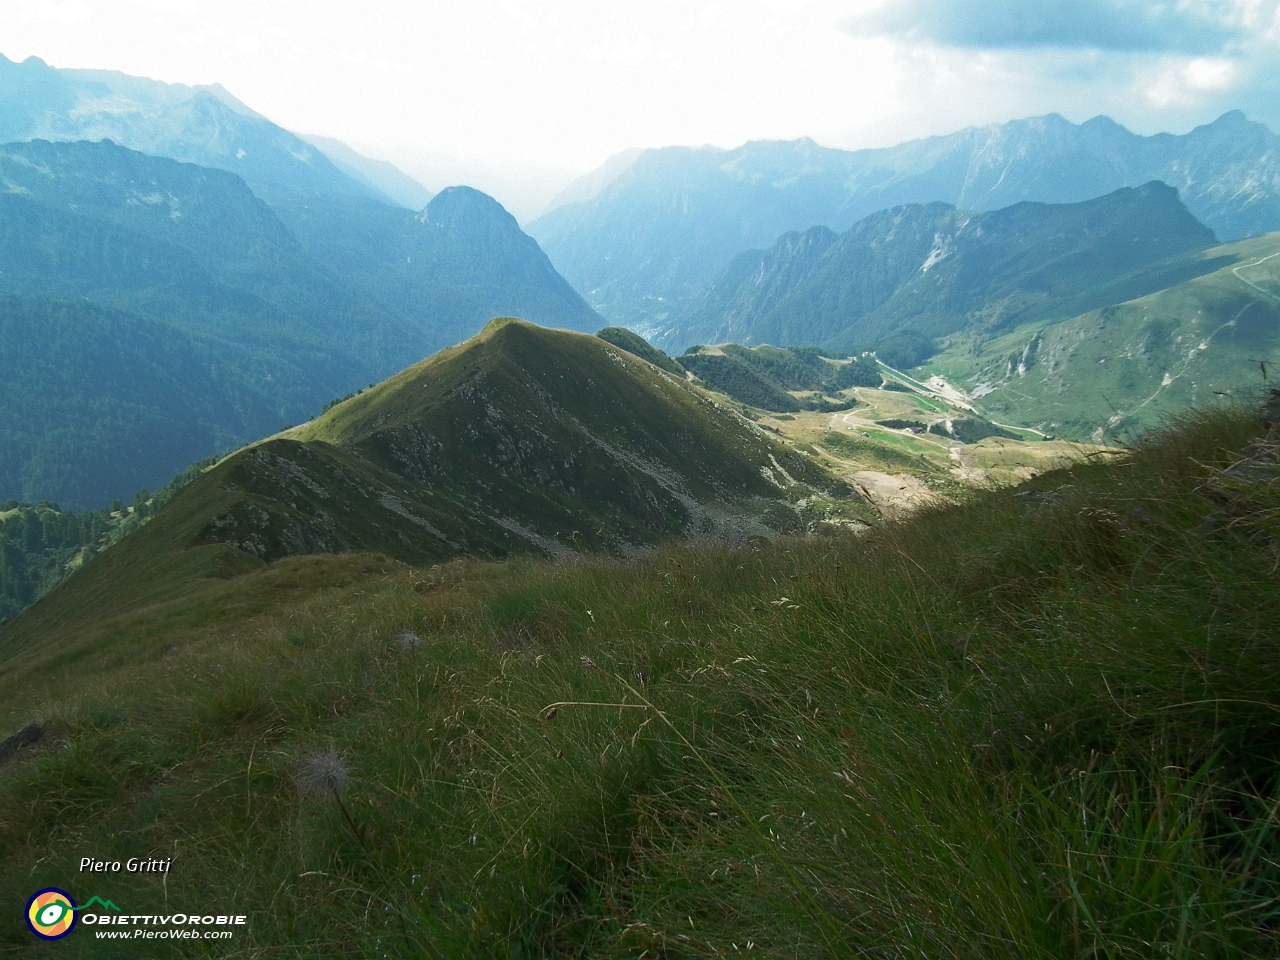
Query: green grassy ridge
[[569, 389], [521, 440], [1040, 723], [633, 343], [1101, 374]]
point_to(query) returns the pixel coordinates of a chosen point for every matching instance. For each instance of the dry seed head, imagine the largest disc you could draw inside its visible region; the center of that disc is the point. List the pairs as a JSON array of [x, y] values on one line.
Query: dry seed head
[[408, 640], [324, 773]]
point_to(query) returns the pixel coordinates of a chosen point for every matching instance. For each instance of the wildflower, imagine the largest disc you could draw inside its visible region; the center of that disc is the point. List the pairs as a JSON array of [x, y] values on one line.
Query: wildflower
[[408, 640]]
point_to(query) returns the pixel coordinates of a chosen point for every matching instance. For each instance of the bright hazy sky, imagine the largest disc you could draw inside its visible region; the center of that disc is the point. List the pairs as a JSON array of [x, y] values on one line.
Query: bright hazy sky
[[562, 85]]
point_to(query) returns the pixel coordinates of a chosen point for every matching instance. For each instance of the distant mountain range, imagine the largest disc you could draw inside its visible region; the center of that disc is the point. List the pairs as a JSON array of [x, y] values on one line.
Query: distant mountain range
[[202, 125], [932, 270], [230, 324], [379, 175], [1087, 321], [673, 219], [161, 304]]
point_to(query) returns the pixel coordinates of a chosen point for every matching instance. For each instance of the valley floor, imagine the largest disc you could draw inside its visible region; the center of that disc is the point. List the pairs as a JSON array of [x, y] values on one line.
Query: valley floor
[[900, 470]]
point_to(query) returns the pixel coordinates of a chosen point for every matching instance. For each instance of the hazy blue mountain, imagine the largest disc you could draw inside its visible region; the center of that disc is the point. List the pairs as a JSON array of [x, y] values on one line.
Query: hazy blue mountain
[[933, 270], [392, 284], [734, 305], [589, 185], [667, 226], [451, 268], [203, 125], [186, 245], [251, 331], [380, 175]]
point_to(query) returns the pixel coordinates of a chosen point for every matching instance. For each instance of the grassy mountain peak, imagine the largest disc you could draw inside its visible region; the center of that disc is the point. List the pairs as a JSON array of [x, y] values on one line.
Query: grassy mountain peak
[[522, 440]]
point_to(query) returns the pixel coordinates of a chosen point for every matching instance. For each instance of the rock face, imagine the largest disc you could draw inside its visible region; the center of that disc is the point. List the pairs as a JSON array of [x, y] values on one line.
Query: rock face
[[673, 221]]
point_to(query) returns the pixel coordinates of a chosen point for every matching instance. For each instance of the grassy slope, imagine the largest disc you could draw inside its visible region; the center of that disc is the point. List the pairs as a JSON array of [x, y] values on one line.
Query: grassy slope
[[1032, 725], [1107, 368]]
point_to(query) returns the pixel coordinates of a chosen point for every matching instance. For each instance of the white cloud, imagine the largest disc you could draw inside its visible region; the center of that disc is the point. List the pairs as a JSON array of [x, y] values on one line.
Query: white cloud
[[1185, 84], [565, 83], [186, 8], [71, 13]]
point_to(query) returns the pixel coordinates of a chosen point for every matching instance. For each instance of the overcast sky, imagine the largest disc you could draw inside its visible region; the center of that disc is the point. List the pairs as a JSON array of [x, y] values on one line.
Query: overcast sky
[[563, 85]]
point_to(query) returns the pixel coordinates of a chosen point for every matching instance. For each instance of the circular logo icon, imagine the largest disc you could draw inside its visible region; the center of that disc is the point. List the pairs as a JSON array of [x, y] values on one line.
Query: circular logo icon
[[51, 913]]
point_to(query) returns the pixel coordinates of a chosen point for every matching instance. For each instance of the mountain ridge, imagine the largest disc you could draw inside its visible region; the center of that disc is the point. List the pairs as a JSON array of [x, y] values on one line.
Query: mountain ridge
[[663, 229], [932, 269], [203, 125]]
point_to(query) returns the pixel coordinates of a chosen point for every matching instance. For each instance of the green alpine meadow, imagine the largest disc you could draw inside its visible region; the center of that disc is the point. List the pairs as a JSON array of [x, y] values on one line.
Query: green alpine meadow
[[1039, 722], [612, 482]]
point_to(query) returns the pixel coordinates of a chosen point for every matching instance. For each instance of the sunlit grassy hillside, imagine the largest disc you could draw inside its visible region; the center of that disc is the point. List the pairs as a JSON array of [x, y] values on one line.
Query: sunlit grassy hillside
[[1041, 723], [1113, 372]]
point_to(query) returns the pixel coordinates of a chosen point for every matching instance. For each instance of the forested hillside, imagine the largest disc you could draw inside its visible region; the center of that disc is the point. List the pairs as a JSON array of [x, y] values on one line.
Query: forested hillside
[[41, 544], [160, 312]]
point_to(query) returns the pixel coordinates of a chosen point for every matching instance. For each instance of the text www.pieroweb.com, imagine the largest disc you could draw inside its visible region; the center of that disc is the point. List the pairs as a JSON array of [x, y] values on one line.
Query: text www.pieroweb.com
[[173, 927]]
